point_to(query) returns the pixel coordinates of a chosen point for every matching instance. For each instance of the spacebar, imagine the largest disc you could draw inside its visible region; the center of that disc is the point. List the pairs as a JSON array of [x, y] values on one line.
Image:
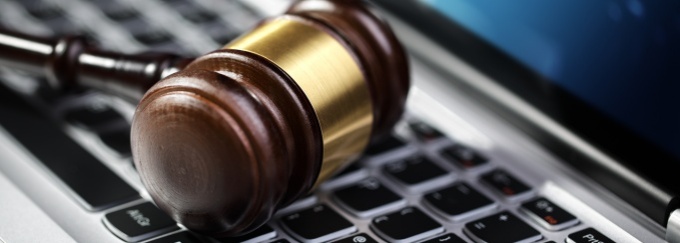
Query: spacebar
[[96, 186]]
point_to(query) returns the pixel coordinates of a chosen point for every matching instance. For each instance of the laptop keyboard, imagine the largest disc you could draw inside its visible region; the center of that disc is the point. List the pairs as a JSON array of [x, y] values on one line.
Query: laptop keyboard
[[418, 185]]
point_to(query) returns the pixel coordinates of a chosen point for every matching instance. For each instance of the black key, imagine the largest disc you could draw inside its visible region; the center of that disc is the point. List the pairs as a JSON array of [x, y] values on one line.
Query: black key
[[94, 116], [358, 238], [259, 235], [317, 224], [118, 140], [350, 169], [588, 235], [44, 11], [139, 222], [121, 14], [459, 201], [501, 227], [447, 238], [549, 215], [414, 170], [367, 197], [406, 225], [117, 11], [463, 156], [425, 132], [280, 241], [153, 37], [386, 144], [505, 184], [96, 186], [199, 16], [181, 237]]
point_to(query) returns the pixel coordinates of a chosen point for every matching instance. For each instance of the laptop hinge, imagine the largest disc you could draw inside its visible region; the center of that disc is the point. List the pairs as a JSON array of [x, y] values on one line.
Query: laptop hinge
[[673, 227]]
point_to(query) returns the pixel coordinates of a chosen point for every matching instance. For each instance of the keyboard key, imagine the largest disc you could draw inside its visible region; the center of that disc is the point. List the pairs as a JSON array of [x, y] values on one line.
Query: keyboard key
[[588, 235], [280, 241], [425, 132], [506, 184], [94, 116], [153, 37], [350, 169], [359, 238], [549, 215], [447, 238], [44, 11], [463, 156], [117, 12], [259, 235], [501, 227], [139, 222], [317, 224], [95, 185], [406, 225], [118, 140], [414, 172], [199, 16], [181, 237], [386, 144], [459, 201], [368, 198]]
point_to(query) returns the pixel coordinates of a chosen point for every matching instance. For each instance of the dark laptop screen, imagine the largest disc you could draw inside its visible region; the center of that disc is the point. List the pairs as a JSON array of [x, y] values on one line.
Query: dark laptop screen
[[621, 57], [608, 71]]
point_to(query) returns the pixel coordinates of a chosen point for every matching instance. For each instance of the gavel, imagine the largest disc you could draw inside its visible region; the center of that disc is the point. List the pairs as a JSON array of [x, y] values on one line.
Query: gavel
[[223, 140]]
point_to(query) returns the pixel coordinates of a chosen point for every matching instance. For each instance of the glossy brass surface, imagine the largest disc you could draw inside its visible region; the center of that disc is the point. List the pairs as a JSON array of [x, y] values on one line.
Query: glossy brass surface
[[328, 75]]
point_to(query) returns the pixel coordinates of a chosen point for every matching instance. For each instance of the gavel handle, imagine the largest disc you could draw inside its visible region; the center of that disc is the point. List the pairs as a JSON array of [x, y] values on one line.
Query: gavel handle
[[73, 61]]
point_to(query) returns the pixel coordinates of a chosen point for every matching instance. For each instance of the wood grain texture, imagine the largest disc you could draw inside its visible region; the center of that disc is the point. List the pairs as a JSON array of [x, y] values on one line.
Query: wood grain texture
[[72, 61], [253, 145]]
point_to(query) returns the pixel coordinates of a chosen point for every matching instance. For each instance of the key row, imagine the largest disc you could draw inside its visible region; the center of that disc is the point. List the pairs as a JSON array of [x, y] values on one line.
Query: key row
[[455, 203], [142, 30], [320, 223]]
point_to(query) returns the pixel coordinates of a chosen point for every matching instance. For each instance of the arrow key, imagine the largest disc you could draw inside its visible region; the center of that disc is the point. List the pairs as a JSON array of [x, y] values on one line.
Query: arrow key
[[406, 225], [501, 227]]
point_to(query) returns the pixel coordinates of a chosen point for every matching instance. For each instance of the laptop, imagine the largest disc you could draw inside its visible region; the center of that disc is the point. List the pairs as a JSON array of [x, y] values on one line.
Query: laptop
[[527, 121]]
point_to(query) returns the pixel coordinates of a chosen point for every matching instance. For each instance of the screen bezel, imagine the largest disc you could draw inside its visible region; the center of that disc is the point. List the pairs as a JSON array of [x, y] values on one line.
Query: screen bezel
[[648, 160]]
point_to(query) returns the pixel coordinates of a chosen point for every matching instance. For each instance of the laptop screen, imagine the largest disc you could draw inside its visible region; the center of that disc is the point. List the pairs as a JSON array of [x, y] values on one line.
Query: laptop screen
[[621, 57], [607, 70]]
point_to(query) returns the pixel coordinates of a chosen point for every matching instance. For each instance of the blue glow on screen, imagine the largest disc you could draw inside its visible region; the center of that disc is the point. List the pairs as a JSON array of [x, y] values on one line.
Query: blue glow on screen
[[621, 56]]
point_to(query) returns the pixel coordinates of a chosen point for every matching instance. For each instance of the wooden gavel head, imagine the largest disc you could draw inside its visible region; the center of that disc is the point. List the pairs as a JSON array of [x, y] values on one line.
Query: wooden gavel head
[[240, 132], [247, 129]]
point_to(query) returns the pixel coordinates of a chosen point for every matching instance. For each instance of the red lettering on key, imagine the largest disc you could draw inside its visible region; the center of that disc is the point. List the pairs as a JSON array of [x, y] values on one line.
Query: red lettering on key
[[550, 220]]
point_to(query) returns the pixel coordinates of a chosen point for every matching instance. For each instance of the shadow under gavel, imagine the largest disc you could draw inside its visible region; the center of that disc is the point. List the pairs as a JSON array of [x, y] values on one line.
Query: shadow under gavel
[[223, 140]]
